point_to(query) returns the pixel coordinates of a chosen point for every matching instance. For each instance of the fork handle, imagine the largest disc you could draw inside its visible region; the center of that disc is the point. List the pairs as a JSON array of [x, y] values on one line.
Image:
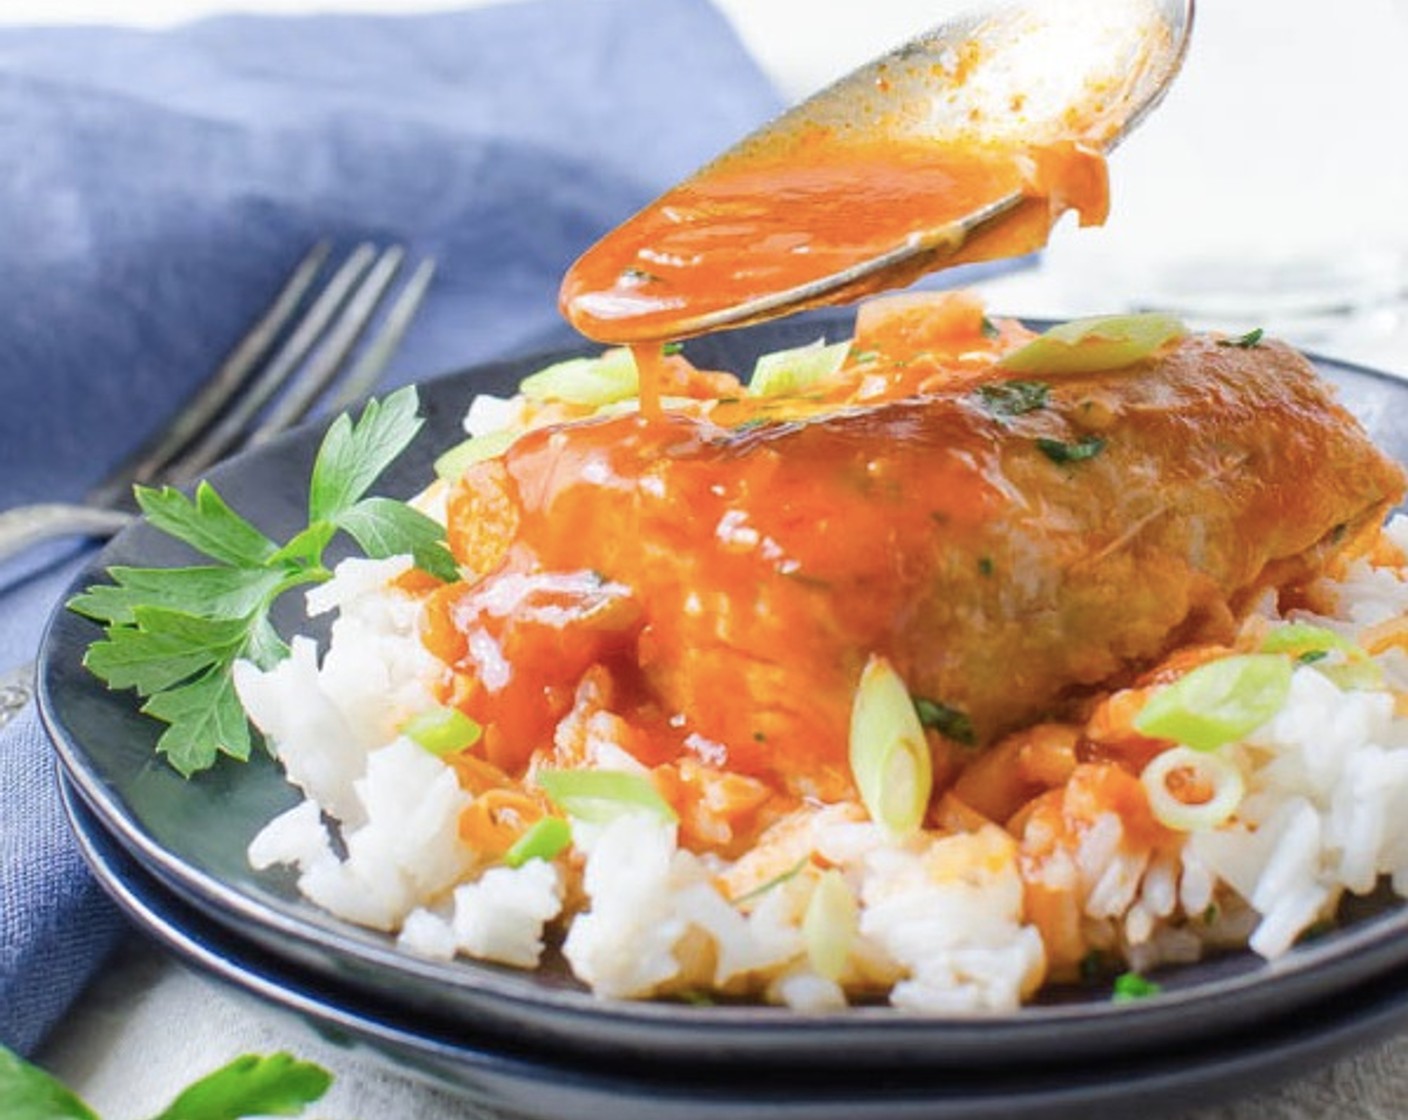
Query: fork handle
[[25, 526]]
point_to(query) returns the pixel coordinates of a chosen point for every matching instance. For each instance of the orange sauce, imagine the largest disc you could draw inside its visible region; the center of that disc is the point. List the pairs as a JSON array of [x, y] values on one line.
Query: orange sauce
[[650, 362], [773, 218]]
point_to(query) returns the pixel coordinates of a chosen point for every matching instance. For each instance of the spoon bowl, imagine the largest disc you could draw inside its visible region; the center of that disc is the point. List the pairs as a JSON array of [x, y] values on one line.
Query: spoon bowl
[[1003, 85]]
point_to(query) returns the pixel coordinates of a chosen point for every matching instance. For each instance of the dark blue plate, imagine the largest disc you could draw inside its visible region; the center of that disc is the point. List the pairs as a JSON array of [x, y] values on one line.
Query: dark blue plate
[[192, 836]]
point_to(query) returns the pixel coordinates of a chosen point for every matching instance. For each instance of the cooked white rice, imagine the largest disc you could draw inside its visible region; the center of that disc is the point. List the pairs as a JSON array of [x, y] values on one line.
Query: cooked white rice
[[942, 923]]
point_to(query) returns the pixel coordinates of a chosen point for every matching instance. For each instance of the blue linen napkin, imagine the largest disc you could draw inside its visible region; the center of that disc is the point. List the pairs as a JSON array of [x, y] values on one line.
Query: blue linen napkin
[[156, 187]]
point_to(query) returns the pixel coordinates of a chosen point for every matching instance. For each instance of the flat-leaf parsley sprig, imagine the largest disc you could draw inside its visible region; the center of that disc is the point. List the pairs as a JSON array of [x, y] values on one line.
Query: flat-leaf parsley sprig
[[173, 634]]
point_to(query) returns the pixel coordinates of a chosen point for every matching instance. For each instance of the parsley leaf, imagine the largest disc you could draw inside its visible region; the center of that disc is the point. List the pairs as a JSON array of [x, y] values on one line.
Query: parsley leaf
[[28, 1093], [1085, 448], [208, 525], [354, 455], [1013, 398], [205, 719], [174, 634], [208, 592], [252, 1085], [1246, 341], [947, 721], [384, 527]]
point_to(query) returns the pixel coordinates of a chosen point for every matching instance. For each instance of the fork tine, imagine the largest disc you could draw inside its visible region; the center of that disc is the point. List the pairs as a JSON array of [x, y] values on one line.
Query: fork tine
[[331, 356], [376, 355], [232, 426], [147, 462]]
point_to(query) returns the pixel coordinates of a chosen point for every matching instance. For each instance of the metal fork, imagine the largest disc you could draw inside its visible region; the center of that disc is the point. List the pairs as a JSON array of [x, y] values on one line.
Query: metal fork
[[300, 350]]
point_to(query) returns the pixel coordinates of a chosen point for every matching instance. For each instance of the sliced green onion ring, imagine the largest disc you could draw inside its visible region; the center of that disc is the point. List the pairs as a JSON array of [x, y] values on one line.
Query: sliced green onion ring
[[1219, 702], [476, 449], [773, 883], [442, 731], [1299, 638], [831, 925], [589, 381], [1355, 676], [599, 796], [1354, 670], [1217, 772], [888, 752], [1094, 345], [788, 372], [547, 837]]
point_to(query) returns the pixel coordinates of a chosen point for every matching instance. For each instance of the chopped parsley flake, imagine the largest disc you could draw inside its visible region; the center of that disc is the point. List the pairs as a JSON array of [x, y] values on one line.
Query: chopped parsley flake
[[1093, 965], [1244, 341], [1130, 986], [990, 328], [949, 722], [1058, 452], [1013, 398], [985, 565], [671, 348]]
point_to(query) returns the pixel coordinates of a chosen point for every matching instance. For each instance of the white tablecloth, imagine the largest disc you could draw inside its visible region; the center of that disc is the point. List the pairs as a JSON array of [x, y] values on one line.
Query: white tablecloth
[[148, 1026]]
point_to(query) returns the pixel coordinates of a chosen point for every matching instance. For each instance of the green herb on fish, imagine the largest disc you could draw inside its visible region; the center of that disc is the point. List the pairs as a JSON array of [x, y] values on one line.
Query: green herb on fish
[[1058, 452]]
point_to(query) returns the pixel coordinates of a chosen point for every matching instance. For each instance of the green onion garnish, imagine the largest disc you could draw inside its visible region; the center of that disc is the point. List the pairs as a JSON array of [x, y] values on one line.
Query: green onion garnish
[[476, 449], [1130, 986], [599, 796], [773, 883], [831, 925], [1298, 638], [889, 755], [543, 841], [786, 373], [1095, 345], [1221, 777], [1348, 665], [1219, 702], [589, 381], [1085, 448], [442, 731]]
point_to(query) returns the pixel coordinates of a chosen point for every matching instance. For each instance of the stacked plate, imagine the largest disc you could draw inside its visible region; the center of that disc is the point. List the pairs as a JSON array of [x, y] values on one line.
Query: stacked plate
[[173, 855]]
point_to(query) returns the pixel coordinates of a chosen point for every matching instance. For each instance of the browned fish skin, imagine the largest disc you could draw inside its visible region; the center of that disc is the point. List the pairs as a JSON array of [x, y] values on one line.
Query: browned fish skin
[[997, 568]]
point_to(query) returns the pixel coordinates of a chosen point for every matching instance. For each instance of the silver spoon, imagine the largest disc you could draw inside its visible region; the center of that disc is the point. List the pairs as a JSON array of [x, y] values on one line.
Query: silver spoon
[[1031, 72]]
